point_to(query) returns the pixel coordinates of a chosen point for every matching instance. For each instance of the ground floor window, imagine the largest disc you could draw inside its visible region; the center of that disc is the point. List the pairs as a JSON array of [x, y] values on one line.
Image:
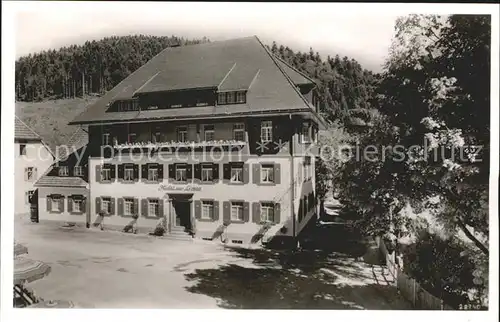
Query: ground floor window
[[236, 173], [237, 211], [207, 173], [77, 205], [152, 172], [55, 204], [207, 210], [267, 212], [106, 205], [29, 196], [180, 172], [153, 208], [129, 207]]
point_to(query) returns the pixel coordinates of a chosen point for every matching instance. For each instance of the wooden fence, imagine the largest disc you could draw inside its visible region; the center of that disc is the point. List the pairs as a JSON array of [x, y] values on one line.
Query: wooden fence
[[409, 288]]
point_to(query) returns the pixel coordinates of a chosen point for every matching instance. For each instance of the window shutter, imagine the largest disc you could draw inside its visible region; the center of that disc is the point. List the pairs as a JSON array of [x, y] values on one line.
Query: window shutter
[[113, 172], [215, 168], [277, 173], [70, 204], [136, 173], [256, 212], [226, 212], [84, 205], [246, 173], [144, 172], [120, 206], [256, 173], [144, 207], [171, 171], [160, 205], [197, 172], [61, 204], [189, 171], [216, 210], [160, 171], [136, 206], [49, 203], [277, 213], [246, 212], [97, 205], [197, 209], [98, 173], [120, 171], [226, 172]]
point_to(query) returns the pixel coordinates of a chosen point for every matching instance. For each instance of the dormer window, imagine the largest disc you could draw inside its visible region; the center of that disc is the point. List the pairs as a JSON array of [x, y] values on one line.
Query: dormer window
[[231, 98], [222, 98], [127, 105], [241, 97], [63, 171]]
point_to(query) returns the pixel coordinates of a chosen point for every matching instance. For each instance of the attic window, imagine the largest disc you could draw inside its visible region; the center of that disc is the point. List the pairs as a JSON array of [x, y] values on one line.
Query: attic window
[[241, 97], [127, 105], [234, 97]]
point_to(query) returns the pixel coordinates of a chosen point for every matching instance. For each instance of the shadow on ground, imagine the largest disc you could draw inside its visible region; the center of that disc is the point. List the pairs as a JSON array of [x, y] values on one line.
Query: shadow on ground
[[308, 279]]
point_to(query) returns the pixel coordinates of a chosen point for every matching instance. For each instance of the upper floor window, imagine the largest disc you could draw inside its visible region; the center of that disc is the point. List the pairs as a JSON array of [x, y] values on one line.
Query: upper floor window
[[105, 174], [207, 172], [209, 132], [22, 149], [236, 173], [180, 172], [241, 97], [128, 172], [29, 196], [266, 131], [239, 132], [305, 133], [182, 133], [30, 174], [105, 138], [267, 173], [78, 171], [221, 99], [231, 98], [63, 171], [152, 172]]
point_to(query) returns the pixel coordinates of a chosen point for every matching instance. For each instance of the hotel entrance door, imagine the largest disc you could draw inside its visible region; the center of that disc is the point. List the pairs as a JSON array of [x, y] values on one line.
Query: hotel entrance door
[[181, 214]]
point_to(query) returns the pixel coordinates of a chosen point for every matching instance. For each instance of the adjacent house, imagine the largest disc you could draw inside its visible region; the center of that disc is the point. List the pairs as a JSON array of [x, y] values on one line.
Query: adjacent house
[[32, 158], [211, 141]]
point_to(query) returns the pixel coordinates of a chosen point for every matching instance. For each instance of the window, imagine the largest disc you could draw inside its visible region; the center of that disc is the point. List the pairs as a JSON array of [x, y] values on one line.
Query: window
[[266, 212], [207, 210], [22, 149], [207, 173], [266, 131], [153, 208], [106, 205], [180, 172], [305, 136], [209, 132], [128, 172], [105, 138], [182, 134], [222, 98], [29, 174], [266, 173], [78, 171], [63, 171], [152, 172], [237, 211], [241, 97], [105, 174], [77, 205], [231, 98], [132, 137], [29, 196], [129, 207], [239, 132], [236, 173], [55, 203]]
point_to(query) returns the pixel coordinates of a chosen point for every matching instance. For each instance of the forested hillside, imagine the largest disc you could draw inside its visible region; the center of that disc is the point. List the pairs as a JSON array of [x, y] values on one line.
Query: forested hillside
[[344, 87]]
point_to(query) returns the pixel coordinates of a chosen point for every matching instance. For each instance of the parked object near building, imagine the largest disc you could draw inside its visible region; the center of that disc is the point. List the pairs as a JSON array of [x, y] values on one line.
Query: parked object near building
[[32, 158]]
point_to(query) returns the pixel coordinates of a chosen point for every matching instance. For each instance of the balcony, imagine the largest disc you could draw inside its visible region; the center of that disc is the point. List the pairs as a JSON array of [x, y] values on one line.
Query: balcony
[[178, 145]]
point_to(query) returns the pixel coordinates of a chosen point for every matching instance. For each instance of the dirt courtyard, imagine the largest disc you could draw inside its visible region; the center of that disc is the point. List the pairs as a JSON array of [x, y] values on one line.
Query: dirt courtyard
[[104, 269]]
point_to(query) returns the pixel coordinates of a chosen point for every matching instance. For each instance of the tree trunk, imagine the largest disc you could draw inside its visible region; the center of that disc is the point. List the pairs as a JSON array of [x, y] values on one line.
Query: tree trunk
[[476, 242]]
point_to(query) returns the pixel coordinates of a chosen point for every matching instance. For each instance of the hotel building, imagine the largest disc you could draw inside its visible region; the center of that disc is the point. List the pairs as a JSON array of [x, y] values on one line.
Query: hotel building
[[212, 141]]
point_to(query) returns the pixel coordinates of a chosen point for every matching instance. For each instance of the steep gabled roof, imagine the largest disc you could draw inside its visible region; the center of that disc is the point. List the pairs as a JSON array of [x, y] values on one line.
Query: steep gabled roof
[[298, 77], [77, 140], [23, 131], [225, 65], [54, 181]]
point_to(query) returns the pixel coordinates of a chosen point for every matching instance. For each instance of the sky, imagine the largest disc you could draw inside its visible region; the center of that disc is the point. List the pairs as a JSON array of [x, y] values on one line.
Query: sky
[[329, 29]]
